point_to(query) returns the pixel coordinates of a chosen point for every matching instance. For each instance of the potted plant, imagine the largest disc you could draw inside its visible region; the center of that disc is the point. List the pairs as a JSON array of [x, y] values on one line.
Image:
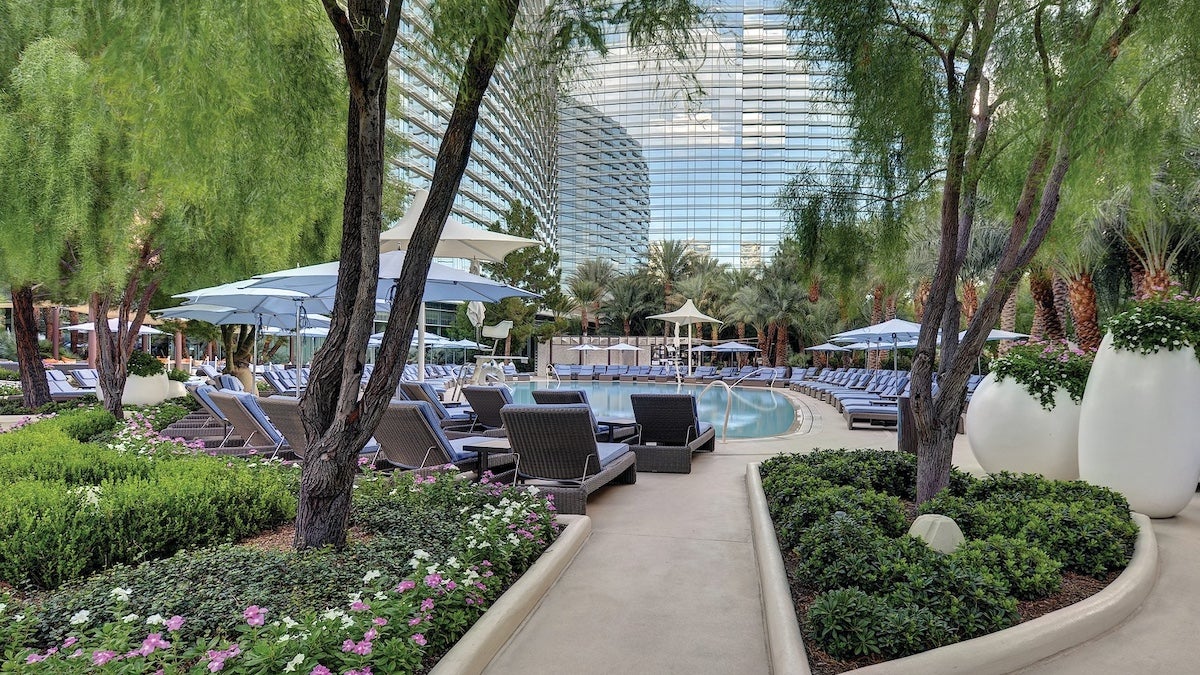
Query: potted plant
[[1024, 416], [147, 381], [1138, 429], [175, 380]]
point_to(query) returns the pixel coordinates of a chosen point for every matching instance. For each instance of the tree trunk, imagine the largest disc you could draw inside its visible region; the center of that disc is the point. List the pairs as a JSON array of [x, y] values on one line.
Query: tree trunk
[[1045, 316], [35, 390], [337, 422], [1083, 307], [112, 357], [781, 344], [970, 299], [768, 344], [1137, 272], [583, 319], [875, 356], [1156, 283], [741, 336], [1062, 302], [920, 298], [814, 289], [627, 325], [889, 307], [73, 335], [53, 335], [1008, 319]]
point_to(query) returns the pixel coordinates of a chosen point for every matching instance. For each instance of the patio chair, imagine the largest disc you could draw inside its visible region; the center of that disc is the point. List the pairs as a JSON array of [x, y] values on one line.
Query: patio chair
[[461, 419], [87, 378], [671, 432], [284, 414], [556, 448], [249, 421], [410, 437], [487, 402], [609, 432], [60, 390]]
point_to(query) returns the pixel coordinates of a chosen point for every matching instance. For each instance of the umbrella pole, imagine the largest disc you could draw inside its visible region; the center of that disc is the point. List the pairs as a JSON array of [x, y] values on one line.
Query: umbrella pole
[[689, 350], [421, 344]]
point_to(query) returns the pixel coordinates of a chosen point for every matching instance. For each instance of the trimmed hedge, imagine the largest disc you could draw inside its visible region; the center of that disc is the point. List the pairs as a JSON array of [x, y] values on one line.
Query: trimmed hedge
[[69, 508], [881, 593]]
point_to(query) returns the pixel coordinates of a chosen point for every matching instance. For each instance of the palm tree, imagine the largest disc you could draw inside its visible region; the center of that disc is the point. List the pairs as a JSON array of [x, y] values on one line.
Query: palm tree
[[984, 251], [749, 307], [727, 287], [704, 286], [667, 262], [585, 294], [600, 271], [628, 297], [1046, 325], [783, 299]]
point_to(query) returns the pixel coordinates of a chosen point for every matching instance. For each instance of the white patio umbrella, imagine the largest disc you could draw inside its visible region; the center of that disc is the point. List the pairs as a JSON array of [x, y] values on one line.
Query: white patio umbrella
[[586, 347], [827, 347], [688, 313], [997, 334], [734, 347], [112, 325], [625, 347], [893, 330], [458, 240]]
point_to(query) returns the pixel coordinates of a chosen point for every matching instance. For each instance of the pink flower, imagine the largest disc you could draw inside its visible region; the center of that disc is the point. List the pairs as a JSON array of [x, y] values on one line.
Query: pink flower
[[406, 585], [152, 642], [371, 634], [426, 604], [255, 616], [450, 585], [70, 641], [415, 620], [348, 645], [319, 670], [35, 657], [433, 580], [359, 606], [175, 622], [379, 621], [102, 657], [363, 648], [419, 639], [215, 665]]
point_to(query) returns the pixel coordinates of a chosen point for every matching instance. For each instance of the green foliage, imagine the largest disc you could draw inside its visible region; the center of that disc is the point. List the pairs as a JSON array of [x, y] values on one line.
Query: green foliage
[[9, 375], [882, 593], [440, 552], [1044, 368], [68, 508], [144, 365], [1155, 323], [178, 375], [8, 346]]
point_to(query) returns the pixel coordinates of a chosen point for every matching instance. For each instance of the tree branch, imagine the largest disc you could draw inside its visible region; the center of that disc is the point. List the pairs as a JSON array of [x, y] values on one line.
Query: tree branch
[[349, 41], [387, 37], [914, 31]]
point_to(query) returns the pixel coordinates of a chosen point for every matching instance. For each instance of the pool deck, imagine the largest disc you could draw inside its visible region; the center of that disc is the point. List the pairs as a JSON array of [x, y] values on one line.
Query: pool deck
[[668, 584]]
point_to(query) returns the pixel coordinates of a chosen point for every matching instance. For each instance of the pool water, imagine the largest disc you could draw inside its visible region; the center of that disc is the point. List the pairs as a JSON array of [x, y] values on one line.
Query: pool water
[[756, 412]]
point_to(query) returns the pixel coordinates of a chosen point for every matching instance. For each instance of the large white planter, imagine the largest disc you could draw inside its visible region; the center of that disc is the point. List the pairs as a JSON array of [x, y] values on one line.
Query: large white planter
[[145, 390], [176, 389], [1139, 429], [1009, 430]]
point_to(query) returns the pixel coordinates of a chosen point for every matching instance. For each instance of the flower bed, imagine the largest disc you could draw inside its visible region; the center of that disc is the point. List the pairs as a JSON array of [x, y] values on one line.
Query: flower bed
[[1045, 367], [69, 508], [436, 553], [866, 592]]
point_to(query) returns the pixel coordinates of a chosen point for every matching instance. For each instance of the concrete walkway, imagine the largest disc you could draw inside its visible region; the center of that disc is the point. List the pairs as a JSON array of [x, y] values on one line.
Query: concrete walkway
[[667, 583]]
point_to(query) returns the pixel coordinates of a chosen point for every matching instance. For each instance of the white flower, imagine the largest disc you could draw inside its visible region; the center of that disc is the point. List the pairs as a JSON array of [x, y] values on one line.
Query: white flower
[[129, 618], [155, 620], [333, 614], [121, 594], [287, 621], [80, 617], [18, 618], [347, 622], [3, 606], [294, 663], [371, 575], [285, 637]]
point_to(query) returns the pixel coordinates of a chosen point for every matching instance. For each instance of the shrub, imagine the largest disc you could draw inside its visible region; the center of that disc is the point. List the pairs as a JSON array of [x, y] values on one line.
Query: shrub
[[178, 375], [9, 375], [864, 506], [1026, 569], [1045, 367], [397, 606], [143, 364], [84, 424]]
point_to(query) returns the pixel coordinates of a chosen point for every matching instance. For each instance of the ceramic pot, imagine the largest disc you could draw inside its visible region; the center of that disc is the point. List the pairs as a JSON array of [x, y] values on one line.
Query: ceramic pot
[[1009, 430], [1139, 431], [145, 390]]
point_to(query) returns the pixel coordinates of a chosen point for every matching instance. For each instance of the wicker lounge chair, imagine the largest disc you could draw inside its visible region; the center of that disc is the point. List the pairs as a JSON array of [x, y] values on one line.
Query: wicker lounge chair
[[461, 419], [248, 421], [556, 447], [671, 432], [410, 437], [284, 415], [608, 432], [487, 402]]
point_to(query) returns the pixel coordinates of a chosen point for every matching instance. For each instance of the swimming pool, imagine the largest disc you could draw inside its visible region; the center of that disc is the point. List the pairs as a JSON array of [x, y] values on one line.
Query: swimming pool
[[756, 412]]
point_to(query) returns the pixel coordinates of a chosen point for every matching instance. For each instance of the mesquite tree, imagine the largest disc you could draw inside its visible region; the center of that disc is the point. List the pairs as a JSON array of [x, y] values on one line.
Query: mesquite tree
[[1002, 98], [472, 35], [161, 146]]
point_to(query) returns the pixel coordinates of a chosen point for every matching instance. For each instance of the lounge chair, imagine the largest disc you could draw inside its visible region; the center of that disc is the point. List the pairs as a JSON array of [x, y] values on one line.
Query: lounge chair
[[87, 378], [410, 437], [671, 432], [461, 419], [557, 449], [284, 414], [249, 421], [609, 432], [60, 390], [487, 402]]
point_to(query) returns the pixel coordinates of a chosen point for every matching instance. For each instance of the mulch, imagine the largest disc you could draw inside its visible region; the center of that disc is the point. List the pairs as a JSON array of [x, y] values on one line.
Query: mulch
[[281, 538]]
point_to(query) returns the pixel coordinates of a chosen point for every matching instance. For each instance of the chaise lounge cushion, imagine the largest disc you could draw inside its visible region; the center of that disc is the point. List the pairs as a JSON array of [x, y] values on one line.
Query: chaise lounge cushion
[[610, 451]]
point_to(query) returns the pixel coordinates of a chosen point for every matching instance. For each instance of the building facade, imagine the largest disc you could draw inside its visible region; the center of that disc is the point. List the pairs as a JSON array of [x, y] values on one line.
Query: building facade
[[715, 162]]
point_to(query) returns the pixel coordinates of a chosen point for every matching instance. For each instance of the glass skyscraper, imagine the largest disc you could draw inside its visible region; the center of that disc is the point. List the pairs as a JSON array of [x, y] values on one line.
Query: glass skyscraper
[[515, 147], [715, 163]]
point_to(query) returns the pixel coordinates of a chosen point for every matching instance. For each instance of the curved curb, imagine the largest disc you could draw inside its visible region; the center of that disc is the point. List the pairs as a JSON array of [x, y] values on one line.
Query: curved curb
[[785, 647], [995, 653], [476, 649]]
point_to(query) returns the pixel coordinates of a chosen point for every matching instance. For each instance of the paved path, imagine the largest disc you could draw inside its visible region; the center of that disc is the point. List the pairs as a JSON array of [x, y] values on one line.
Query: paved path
[[667, 583]]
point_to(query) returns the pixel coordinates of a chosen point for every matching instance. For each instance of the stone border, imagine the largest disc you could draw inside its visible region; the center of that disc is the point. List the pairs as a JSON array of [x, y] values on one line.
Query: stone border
[[1000, 652], [476, 649]]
